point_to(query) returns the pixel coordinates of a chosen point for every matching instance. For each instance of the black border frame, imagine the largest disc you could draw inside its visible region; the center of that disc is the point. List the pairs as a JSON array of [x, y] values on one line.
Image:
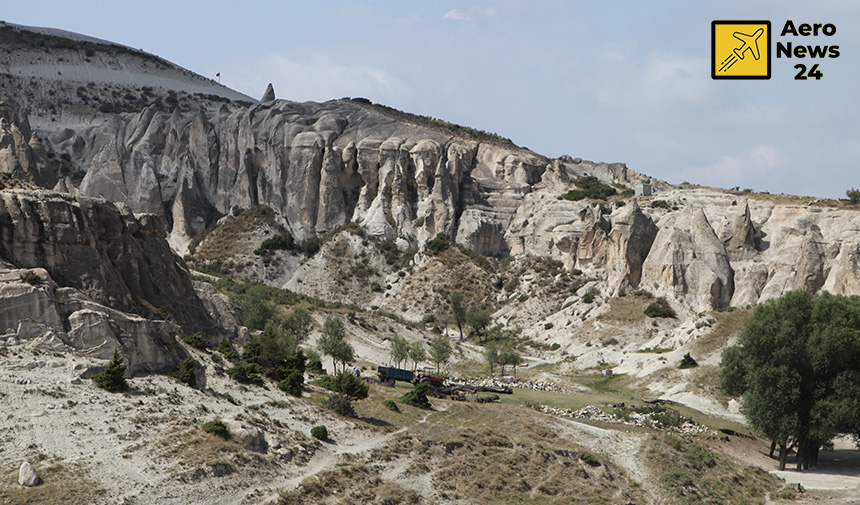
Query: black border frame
[[714, 53]]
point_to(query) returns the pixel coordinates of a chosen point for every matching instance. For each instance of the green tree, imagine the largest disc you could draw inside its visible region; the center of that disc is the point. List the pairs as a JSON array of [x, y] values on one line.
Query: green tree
[[491, 354], [333, 343], [455, 303], [298, 325], [797, 363], [417, 354], [509, 356], [113, 377], [853, 195], [256, 308], [399, 350], [479, 320], [440, 350]]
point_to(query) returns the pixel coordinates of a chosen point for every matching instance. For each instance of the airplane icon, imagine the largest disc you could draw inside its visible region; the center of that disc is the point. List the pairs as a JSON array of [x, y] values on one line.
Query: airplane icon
[[750, 42]]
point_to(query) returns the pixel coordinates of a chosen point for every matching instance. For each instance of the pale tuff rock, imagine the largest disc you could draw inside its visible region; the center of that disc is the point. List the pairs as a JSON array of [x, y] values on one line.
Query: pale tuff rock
[[628, 244], [689, 262], [591, 252], [269, 95], [248, 436], [118, 259], [27, 475], [739, 235]]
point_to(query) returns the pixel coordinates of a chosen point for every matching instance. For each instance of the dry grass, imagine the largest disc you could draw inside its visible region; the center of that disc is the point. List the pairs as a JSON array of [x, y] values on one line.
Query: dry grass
[[728, 325], [195, 448], [691, 474], [350, 483], [628, 309], [61, 484], [230, 240]]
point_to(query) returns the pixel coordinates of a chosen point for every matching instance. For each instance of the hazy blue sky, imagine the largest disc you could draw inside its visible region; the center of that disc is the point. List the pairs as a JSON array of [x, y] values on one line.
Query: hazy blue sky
[[603, 80]]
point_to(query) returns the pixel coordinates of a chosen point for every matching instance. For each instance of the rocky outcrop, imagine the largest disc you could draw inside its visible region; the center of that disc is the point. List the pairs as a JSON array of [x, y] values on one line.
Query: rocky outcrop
[[36, 312], [269, 95], [115, 258], [688, 261], [739, 235], [628, 244]]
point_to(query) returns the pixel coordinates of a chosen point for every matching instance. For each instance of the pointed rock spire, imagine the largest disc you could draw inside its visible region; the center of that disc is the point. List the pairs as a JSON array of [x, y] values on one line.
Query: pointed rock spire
[[269, 95]]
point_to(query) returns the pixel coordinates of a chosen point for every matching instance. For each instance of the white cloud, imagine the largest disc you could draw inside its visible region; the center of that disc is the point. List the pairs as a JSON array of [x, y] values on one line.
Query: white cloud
[[458, 15]]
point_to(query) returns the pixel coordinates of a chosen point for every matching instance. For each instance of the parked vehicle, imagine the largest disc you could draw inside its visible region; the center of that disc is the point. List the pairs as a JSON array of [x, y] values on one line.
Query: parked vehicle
[[387, 375]]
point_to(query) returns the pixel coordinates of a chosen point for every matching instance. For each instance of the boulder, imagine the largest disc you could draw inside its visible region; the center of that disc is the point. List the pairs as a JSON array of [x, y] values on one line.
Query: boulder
[[27, 475], [248, 436]]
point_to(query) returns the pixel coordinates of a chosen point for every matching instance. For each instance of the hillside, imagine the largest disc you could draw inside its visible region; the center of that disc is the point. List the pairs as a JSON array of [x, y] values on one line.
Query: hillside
[[148, 211]]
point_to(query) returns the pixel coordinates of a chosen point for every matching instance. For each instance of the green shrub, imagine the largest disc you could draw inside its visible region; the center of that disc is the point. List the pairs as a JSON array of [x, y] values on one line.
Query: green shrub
[[376, 288], [283, 242], [314, 365], [319, 432], [660, 204], [326, 381], [548, 326], [246, 374], [853, 195], [392, 406], [341, 404], [196, 340], [589, 459], [185, 372], [345, 383], [227, 351], [30, 277], [293, 383], [659, 308], [217, 427], [311, 246], [589, 187], [589, 297], [417, 397], [688, 362], [112, 378], [439, 243], [555, 347]]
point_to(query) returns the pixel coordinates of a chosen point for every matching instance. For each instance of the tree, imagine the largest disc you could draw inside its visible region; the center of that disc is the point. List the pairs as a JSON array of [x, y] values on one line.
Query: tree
[[797, 363], [440, 350], [478, 320], [113, 377], [455, 303], [853, 195], [399, 350], [298, 325], [417, 354], [509, 356], [491, 354], [256, 309], [333, 343]]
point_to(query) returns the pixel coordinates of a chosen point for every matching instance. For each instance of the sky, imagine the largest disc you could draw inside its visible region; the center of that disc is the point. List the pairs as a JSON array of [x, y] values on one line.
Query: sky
[[605, 80]]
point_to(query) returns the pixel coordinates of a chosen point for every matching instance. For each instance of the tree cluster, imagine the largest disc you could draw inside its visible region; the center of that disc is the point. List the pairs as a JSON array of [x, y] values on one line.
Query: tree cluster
[[333, 343], [797, 363]]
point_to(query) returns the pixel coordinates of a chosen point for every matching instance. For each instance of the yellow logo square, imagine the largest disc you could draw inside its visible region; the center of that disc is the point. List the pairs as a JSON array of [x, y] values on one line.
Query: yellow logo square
[[740, 49]]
